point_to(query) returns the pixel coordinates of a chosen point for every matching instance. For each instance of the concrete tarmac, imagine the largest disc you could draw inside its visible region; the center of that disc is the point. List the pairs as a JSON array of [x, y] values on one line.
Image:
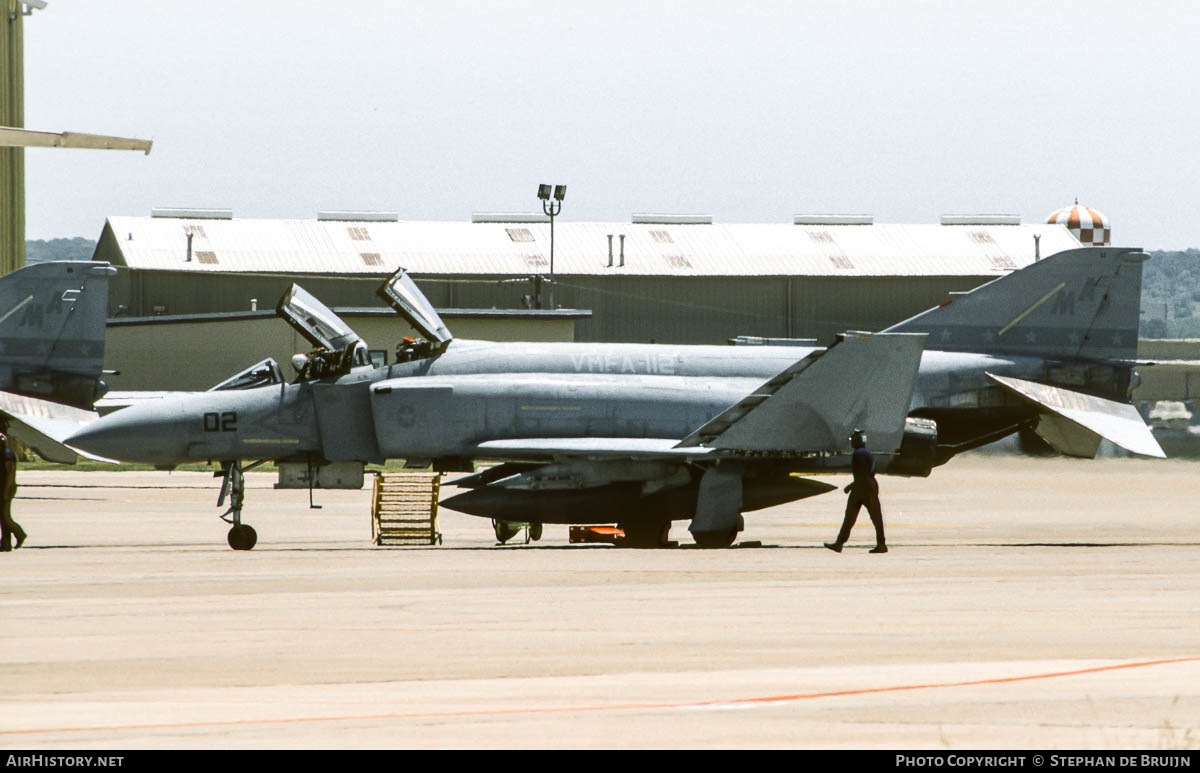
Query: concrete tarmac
[[1025, 603]]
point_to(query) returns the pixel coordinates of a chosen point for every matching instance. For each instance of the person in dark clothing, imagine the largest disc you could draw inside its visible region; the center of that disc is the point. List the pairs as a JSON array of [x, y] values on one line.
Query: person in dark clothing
[[863, 490], [8, 489]]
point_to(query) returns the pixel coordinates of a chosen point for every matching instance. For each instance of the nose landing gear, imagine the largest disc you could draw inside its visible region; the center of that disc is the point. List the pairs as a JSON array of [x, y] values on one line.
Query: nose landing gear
[[242, 535]]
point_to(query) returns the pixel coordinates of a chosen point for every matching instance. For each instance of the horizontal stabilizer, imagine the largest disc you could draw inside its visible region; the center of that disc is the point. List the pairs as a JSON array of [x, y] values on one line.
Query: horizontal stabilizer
[[1074, 422], [864, 381], [43, 426]]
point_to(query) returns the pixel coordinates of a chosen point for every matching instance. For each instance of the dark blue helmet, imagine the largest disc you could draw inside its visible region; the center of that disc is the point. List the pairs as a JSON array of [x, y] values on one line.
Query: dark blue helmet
[[858, 438]]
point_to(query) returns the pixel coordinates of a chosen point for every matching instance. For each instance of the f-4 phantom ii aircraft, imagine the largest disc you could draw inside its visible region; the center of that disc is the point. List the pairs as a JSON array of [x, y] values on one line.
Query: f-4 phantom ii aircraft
[[643, 435]]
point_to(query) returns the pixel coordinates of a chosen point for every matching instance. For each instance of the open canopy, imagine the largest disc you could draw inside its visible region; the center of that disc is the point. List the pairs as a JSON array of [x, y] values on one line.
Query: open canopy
[[402, 294]]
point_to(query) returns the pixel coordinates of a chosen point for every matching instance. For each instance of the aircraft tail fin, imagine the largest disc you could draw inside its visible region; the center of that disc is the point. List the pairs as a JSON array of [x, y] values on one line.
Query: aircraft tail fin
[[52, 325], [1075, 304], [864, 381]]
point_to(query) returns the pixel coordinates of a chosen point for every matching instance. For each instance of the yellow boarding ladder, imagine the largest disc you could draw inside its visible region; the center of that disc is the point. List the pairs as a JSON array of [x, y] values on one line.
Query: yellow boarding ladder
[[404, 509]]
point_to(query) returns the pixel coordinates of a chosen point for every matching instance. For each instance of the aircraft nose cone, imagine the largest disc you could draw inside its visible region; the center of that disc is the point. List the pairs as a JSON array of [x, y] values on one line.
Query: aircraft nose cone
[[133, 434]]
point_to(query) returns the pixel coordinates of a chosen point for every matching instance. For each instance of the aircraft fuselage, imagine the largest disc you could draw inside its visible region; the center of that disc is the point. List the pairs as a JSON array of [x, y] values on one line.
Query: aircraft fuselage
[[447, 405]]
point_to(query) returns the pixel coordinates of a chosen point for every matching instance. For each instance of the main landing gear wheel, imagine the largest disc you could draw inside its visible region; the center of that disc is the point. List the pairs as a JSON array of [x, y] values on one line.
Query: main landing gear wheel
[[646, 535], [505, 530], [242, 537], [714, 539], [535, 531]]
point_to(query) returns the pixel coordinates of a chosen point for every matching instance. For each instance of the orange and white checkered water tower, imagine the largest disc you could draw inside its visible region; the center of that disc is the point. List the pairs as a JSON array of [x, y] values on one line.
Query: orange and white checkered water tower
[[1090, 227]]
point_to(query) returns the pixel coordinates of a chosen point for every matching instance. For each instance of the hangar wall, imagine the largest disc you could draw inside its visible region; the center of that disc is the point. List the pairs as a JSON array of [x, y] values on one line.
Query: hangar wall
[[154, 293], [684, 310]]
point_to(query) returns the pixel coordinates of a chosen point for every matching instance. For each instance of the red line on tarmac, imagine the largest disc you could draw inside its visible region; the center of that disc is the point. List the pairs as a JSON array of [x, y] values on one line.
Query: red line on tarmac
[[612, 707]]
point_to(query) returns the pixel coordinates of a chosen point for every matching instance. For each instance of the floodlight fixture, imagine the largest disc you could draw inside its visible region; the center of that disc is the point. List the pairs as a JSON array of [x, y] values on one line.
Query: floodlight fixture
[[551, 209]]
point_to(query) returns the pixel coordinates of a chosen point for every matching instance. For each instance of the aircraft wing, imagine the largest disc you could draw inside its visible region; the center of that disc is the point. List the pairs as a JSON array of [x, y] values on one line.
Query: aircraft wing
[[43, 426], [864, 381], [1073, 422]]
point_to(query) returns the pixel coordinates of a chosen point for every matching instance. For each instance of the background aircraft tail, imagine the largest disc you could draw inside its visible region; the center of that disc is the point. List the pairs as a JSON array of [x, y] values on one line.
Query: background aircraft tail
[[52, 324], [1076, 304]]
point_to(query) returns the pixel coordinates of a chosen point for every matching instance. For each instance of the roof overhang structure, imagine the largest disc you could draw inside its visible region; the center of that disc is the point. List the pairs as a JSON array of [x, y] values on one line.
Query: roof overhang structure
[[12, 137]]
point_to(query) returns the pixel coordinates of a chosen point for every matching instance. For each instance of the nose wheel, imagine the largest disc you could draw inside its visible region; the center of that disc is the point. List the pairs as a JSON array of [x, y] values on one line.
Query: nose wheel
[[242, 536]]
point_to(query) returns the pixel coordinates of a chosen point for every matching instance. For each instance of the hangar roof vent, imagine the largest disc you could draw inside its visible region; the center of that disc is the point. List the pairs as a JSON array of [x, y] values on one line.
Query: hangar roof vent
[[981, 219], [659, 219], [352, 216], [833, 219], [192, 214], [509, 217]]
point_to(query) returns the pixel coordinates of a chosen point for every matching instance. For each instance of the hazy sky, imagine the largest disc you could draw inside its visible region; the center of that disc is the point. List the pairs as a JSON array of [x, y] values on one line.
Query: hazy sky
[[751, 111]]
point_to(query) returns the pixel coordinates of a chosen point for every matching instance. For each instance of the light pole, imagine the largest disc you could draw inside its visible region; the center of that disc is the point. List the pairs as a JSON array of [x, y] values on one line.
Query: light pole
[[551, 208]]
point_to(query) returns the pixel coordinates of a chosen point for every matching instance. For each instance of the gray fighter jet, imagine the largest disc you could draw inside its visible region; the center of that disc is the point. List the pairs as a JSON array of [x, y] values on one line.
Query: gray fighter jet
[[642, 435]]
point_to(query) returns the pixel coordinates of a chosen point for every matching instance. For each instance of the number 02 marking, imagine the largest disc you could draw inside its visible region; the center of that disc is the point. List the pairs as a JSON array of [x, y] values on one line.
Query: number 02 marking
[[220, 422]]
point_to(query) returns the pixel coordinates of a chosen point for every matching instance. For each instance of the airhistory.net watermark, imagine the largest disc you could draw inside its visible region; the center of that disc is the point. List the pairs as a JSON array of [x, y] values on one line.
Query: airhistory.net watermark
[[61, 761]]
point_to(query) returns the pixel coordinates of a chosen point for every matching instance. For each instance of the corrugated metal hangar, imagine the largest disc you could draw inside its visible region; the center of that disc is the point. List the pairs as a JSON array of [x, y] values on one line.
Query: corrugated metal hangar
[[671, 279]]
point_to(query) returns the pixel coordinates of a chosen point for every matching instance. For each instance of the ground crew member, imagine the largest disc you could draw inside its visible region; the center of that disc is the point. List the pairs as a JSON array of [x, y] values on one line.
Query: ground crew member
[[863, 490], [8, 489]]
